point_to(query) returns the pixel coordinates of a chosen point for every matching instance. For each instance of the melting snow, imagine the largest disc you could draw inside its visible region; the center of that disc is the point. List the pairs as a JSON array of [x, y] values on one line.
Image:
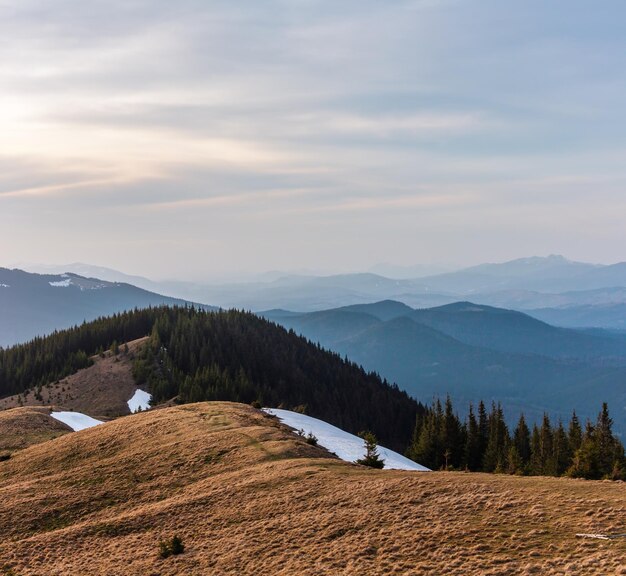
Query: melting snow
[[347, 446], [140, 400], [61, 283], [75, 420]]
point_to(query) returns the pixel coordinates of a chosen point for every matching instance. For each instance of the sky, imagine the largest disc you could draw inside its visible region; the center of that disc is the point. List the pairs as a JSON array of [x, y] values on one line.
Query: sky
[[194, 139]]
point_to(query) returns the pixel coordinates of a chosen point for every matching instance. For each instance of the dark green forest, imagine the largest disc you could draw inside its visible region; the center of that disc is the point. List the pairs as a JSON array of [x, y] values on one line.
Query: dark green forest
[[483, 443], [46, 359], [194, 355]]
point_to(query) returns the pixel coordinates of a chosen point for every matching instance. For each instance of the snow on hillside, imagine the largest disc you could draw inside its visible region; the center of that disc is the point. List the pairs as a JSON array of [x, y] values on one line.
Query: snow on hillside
[[79, 282], [139, 401], [75, 420], [345, 445]]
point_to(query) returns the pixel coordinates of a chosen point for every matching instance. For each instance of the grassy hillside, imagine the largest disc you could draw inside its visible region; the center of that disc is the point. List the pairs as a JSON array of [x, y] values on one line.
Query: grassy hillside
[[101, 390], [248, 497], [23, 427], [193, 355]]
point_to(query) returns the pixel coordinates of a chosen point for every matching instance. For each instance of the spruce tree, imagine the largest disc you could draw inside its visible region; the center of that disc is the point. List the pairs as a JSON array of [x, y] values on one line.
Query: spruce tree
[[535, 467], [561, 454], [451, 437], [546, 463], [427, 450], [585, 463], [483, 431], [472, 457], [496, 452], [371, 458], [605, 442], [574, 434], [521, 443]]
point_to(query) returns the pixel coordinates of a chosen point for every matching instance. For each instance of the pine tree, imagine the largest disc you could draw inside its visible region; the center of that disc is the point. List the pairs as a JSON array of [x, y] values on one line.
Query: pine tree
[[372, 458], [521, 444], [483, 429], [544, 461], [561, 454], [472, 456], [536, 466], [585, 463], [605, 442], [496, 452], [411, 451], [451, 437], [514, 464], [428, 449], [574, 434]]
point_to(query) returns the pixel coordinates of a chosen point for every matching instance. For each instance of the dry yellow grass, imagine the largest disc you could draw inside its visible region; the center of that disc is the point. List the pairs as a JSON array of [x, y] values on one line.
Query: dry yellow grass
[[101, 391], [250, 498], [23, 427]]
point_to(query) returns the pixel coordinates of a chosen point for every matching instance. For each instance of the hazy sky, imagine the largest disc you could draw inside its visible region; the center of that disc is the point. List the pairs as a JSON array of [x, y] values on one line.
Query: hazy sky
[[192, 137]]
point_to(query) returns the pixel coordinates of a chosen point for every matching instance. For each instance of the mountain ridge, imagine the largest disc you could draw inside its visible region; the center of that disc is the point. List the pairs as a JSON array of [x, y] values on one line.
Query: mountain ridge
[[34, 305], [247, 496], [500, 355]]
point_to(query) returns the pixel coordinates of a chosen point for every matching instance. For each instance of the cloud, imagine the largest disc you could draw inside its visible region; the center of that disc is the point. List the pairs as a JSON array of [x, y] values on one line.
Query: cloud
[[307, 115]]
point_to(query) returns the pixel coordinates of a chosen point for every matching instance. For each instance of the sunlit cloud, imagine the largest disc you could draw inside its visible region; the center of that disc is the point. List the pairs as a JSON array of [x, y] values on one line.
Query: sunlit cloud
[[208, 123]]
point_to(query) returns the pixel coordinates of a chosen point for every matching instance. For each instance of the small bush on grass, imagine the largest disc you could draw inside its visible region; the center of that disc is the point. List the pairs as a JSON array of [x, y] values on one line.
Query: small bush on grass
[[311, 439], [171, 547]]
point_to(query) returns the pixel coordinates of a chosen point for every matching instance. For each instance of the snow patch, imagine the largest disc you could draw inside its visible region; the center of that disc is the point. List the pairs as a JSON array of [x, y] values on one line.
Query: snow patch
[[62, 283], [139, 401], [345, 445], [4, 286], [75, 420]]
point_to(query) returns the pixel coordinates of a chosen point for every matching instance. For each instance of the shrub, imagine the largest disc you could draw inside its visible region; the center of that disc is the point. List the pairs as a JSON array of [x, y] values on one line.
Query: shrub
[[311, 439], [171, 547], [177, 546], [164, 549]]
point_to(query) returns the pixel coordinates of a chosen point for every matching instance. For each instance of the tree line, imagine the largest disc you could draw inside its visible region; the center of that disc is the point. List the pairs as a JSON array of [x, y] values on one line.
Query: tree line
[[193, 355], [238, 356], [47, 359], [484, 443]]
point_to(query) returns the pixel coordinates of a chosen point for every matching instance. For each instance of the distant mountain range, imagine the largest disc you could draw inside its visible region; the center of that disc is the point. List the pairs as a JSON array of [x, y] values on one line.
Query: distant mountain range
[[468, 349], [476, 352], [37, 304], [553, 288]]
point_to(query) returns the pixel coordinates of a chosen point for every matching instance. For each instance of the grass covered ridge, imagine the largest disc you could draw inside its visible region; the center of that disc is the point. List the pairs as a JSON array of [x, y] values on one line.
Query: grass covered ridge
[[247, 496]]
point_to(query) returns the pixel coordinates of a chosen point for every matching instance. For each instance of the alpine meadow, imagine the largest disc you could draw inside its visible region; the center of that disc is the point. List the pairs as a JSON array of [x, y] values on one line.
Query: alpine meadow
[[303, 288]]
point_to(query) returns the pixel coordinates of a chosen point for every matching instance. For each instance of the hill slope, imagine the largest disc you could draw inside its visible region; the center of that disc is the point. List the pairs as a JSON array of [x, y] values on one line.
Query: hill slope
[[23, 427], [477, 352], [37, 304], [609, 316], [193, 355], [101, 390], [517, 333], [248, 497]]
